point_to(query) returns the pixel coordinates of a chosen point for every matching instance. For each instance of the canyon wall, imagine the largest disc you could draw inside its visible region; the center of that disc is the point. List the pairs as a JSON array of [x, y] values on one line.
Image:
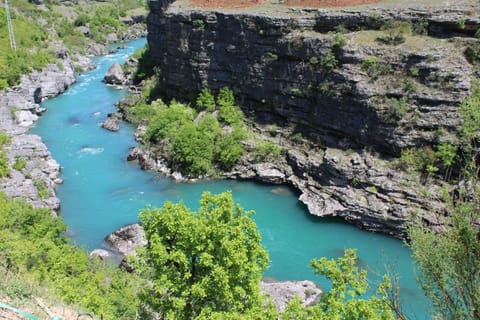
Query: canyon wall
[[358, 99]]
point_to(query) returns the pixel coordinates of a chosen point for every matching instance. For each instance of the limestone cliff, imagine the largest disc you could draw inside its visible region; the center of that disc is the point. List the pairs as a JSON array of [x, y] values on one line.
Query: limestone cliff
[[355, 100]]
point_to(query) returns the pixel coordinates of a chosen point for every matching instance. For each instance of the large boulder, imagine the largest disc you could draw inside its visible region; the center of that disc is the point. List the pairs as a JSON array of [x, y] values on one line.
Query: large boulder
[[126, 239], [115, 75], [284, 291], [112, 123]]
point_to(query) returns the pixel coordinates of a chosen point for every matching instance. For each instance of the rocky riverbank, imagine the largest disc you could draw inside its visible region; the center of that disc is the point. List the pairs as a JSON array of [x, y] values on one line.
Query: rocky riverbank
[[37, 174]]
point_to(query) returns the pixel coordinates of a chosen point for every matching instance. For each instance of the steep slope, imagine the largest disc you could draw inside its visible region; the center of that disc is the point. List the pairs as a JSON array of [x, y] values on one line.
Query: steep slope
[[356, 98]]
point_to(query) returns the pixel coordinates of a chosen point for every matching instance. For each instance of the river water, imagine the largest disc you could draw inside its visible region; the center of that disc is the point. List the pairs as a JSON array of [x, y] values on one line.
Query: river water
[[102, 192]]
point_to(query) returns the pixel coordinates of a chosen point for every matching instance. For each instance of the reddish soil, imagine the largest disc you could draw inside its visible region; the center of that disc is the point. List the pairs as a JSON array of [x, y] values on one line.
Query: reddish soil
[[233, 4], [327, 3]]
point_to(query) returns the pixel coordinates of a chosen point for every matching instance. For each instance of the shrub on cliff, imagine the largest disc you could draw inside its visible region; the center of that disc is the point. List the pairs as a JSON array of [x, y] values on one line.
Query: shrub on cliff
[[395, 32], [196, 144]]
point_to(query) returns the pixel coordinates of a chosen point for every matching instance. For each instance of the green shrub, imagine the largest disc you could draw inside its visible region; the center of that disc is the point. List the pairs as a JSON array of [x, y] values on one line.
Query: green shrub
[[4, 138], [267, 150], [167, 121], [395, 32], [338, 40], [395, 109], [192, 151], [81, 20], [4, 168], [42, 188], [329, 61], [205, 100], [374, 68], [420, 27], [19, 164], [64, 28], [225, 97], [230, 114]]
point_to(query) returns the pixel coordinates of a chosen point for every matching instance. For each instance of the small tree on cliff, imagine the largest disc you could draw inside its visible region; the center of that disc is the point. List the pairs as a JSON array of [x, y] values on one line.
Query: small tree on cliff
[[449, 263], [201, 263]]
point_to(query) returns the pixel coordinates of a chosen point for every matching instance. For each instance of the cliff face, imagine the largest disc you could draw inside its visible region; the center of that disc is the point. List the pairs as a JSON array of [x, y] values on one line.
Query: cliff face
[[359, 99]]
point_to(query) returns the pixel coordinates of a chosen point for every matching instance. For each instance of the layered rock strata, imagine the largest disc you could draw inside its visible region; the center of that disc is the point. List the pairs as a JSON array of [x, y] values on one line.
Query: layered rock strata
[[358, 100]]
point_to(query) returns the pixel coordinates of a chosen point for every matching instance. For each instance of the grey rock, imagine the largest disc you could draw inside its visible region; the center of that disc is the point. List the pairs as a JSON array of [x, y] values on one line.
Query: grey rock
[[101, 254], [126, 239], [112, 123], [115, 75], [284, 291], [19, 109], [96, 49], [111, 38]]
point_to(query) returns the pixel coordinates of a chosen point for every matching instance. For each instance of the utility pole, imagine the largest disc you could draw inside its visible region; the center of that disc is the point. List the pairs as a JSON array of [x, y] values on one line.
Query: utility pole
[[11, 35]]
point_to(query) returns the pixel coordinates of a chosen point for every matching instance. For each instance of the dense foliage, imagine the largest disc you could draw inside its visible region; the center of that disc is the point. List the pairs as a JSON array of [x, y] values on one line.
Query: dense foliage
[[33, 244], [197, 140], [202, 262], [345, 300]]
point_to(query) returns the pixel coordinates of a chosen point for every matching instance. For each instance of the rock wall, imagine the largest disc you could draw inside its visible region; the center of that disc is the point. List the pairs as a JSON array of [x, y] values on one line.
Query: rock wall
[[19, 110], [279, 64]]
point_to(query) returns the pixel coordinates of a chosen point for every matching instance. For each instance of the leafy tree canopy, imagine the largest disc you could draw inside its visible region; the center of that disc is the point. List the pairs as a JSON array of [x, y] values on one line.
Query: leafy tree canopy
[[204, 262]]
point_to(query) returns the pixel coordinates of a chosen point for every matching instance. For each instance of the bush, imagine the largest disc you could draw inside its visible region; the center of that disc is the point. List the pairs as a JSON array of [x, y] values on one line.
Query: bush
[[167, 121], [205, 100], [395, 32], [329, 61], [42, 188], [192, 151], [395, 109], [19, 164], [81, 20], [374, 68], [4, 168], [267, 150]]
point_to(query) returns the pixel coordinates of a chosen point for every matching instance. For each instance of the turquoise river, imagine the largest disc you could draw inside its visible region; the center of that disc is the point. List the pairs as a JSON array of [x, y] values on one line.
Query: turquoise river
[[102, 192]]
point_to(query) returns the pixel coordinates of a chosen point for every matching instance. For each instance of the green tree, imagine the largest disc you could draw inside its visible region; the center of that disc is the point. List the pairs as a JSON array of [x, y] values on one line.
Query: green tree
[[449, 262], [168, 120], [192, 150], [225, 97], [344, 301], [201, 263], [205, 100]]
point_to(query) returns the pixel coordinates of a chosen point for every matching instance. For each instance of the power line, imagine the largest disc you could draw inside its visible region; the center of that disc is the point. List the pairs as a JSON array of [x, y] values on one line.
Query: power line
[[11, 35]]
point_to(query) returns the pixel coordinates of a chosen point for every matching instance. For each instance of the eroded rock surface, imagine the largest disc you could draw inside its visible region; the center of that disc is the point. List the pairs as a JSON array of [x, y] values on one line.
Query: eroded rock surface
[[37, 173], [288, 71]]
